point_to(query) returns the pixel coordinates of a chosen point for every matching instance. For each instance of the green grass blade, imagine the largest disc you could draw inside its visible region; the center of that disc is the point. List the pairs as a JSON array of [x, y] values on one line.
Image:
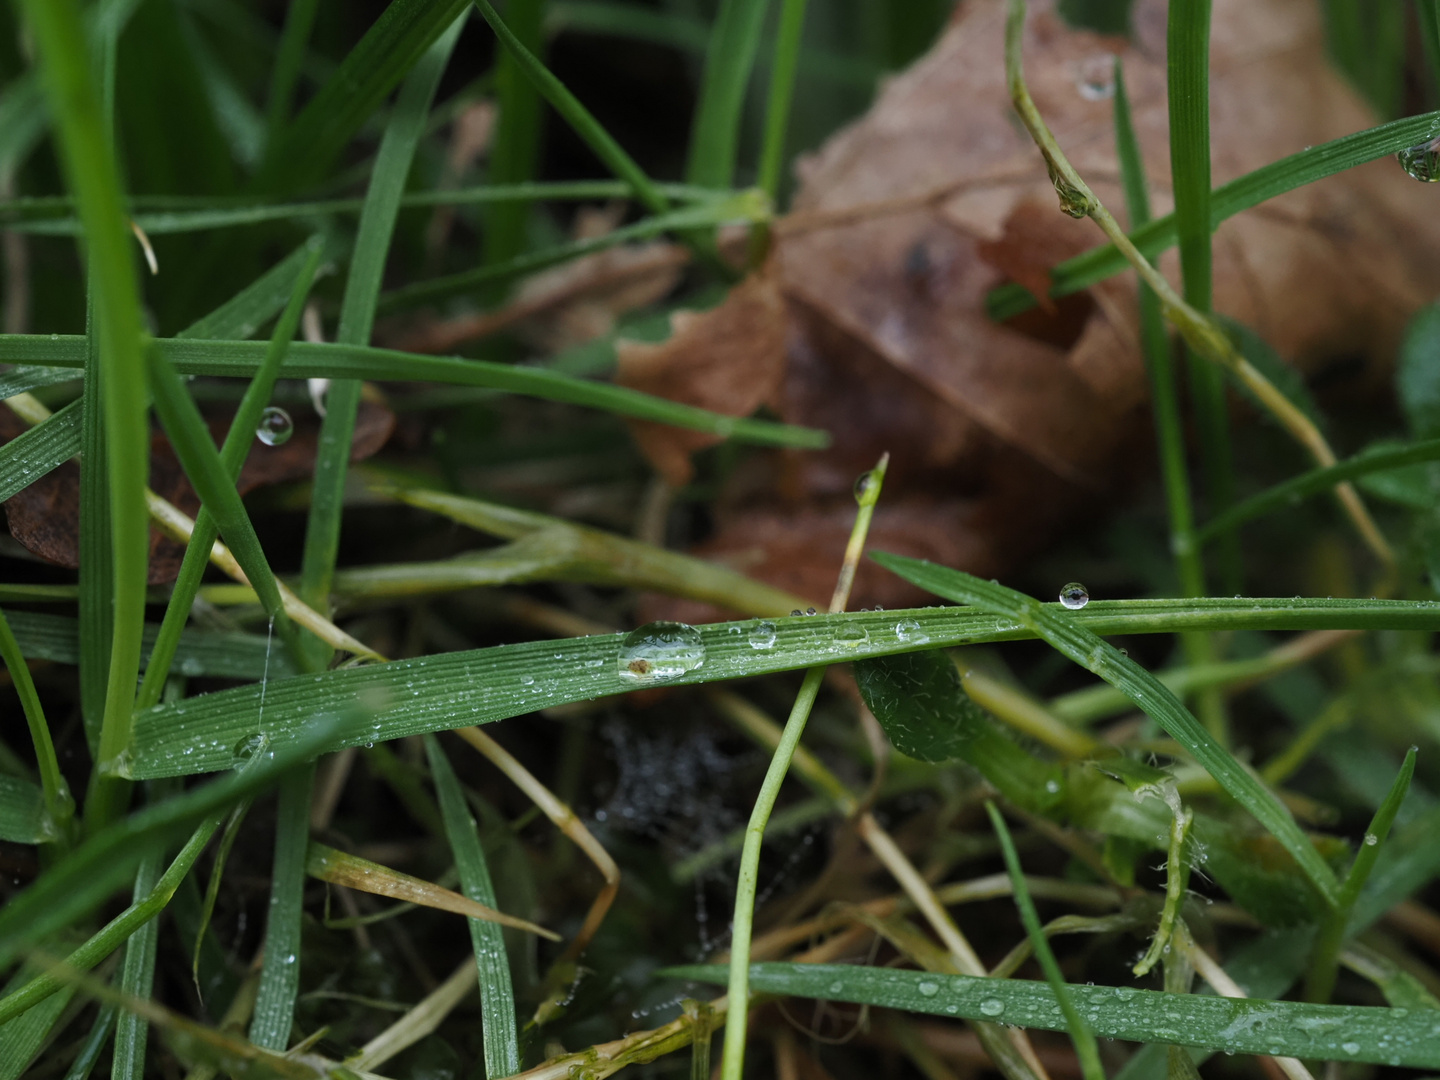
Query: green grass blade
[[24, 119], [95, 1042], [1427, 13], [146, 905], [32, 454], [1237, 1025], [1070, 637], [515, 150], [576, 115], [1321, 980], [448, 690], [91, 170], [59, 803], [86, 877], [357, 316], [305, 360], [390, 48], [497, 997], [1080, 1033], [191, 440], [1242, 193], [24, 1036], [1284, 494], [782, 91], [137, 979], [280, 971], [238, 441], [23, 817], [715, 133], [256, 304], [289, 58]]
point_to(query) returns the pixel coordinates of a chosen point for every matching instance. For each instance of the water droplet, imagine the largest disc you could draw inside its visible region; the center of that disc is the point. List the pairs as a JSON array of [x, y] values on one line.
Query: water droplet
[[809, 611], [762, 635], [659, 651], [527, 680], [1095, 77], [910, 630], [852, 637], [1125, 993], [249, 747], [865, 488], [929, 989], [992, 1006], [1422, 162], [1371, 839], [275, 426], [795, 613], [836, 986], [1074, 596], [1350, 1047], [1053, 787]]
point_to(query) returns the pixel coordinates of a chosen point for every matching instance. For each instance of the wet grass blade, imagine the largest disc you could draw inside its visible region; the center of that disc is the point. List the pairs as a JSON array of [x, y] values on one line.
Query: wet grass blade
[[449, 690], [715, 133], [303, 360], [280, 970], [1236, 1025], [497, 997], [1226, 201], [137, 980], [59, 803], [34, 453], [1070, 637], [23, 819]]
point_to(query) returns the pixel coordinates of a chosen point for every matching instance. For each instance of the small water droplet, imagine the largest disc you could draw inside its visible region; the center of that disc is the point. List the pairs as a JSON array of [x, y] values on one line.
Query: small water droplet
[[1422, 161], [795, 613], [864, 488], [910, 630], [1053, 787], [836, 987], [275, 426], [1095, 77], [929, 989], [1350, 1047], [1371, 839], [852, 637], [1074, 596], [1125, 993], [809, 611], [992, 1006], [762, 635], [527, 680], [660, 651]]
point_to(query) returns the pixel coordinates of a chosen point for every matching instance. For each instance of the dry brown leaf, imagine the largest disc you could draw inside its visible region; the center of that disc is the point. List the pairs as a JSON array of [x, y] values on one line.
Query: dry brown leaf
[[45, 517], [728, 359], [908, 218]]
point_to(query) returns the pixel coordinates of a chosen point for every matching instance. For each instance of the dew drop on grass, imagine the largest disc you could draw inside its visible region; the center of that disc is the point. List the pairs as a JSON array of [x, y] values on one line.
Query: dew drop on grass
[[762, 635], [928, 989], [992, 1006], [1095, 77], [836, 987], [1350, 1047], [1422, 162], [852, 637], [275, 426], [863, 485], [1074, 596], [249, 747], [660, 651], [910, 630], [1371, 839]]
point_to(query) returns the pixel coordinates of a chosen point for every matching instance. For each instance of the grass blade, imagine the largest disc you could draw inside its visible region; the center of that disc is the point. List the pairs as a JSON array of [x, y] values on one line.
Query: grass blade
[[389, 49], [33, 453], [1237, 1025], [449, 690], [305, 360], [782, 91], [23, 817], [1242, 193], [137, 979], [516, 146], [357, 316], [1151, 696], [289, 57], [280, 971], [497, 997], [1080, 1033], [715, 133], [59, 803]]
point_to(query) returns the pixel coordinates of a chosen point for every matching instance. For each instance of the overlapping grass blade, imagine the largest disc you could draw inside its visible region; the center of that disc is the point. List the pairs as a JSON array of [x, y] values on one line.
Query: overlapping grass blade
[[306, 360], [307, 148], [450, 690], [280, 970], [23, 819], [497, 996], [515, 150], [59, 804], [1236, 1025], [22, 1037], [32, 454], [1242, 193], [86, 877], [137, 980], [253, 306], [1070, 637]]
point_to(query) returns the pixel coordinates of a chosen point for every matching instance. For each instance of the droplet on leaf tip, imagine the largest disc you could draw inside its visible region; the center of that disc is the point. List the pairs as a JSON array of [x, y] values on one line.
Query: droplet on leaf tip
[[1422, 162]]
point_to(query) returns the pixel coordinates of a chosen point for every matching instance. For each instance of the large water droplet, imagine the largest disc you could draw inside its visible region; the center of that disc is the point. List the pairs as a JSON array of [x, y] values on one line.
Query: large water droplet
[[762, 635], [929, 989], [249, 747], [275, 426], [660, 651], [1350, 1047], [1074, 596], [1371, 839], [909, 630], [864, 488], [852, 637], [1422, 162], [1095, 77], [992, 1006]]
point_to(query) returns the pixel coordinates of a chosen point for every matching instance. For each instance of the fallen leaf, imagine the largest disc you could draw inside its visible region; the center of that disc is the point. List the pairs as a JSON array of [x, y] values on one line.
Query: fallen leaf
[[1005, 433], [45, 517]]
